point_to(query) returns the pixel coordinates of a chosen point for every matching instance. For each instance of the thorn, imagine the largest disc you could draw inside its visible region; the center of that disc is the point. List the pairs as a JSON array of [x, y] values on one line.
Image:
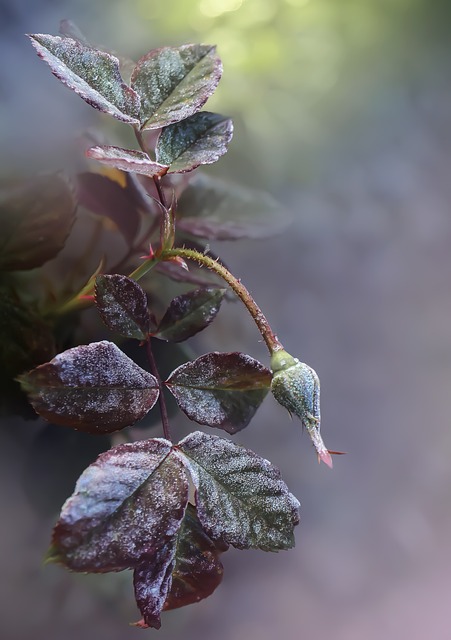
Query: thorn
[[150, 255]]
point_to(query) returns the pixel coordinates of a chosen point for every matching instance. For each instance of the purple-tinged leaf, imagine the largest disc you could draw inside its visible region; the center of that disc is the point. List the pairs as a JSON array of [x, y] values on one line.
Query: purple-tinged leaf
[[122, 305], [94, 388], [35, 220], [175, 82], [190, 568], [189, 313], [152, 581], [195, 275], [221, 390], [126, 160], [94, 75], [198, 570], [241, 498], [200, 139], [106, 197], [126, 508], [217, 210]]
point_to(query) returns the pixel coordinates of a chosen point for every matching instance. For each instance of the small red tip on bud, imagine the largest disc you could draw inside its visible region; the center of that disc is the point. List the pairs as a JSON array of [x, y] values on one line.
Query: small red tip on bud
[[326, 458]]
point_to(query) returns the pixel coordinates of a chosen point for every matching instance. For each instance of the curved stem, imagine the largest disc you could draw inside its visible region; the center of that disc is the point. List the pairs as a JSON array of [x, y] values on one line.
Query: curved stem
[[237, 286], [161, 399]]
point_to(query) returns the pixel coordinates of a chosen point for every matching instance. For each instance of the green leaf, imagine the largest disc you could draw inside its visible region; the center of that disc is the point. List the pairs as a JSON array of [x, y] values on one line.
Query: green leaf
[[94, 75], [94, 388], [240, 497], [175, 82], [127, 507], [200, 139], [221, 390], [189, 313], [36, 219], [126, 160], [217, 210], [122, 305]]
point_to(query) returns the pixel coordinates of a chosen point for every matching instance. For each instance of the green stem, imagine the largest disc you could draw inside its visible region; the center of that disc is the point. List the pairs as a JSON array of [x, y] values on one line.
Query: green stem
[[237, 286]]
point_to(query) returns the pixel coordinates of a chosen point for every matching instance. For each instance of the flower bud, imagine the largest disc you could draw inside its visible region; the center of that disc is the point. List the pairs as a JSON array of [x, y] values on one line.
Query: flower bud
[[296, 387]]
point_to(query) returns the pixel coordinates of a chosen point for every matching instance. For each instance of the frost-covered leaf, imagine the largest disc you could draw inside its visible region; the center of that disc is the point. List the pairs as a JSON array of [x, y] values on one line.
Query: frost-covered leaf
[[152, 580], [127, 507], [241, 498], [218, 210], [189, 313], [185, 571], [197, 570], [35, 221], [122, 305], [94, 388], [106, 197], [200, 139], [175, 82], [126, 160], [221, 390], [94, 75]]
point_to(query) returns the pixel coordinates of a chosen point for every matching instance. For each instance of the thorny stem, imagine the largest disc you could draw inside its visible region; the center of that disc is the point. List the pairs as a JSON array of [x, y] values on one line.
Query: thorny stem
[[237, 286], [161, 399]]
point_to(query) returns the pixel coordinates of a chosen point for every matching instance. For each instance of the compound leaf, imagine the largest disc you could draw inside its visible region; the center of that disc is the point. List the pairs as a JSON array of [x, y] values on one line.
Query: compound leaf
[[240, 497], [200, 139], [122, 305], [189, 313], [94, 388], [175, 82], [126, 160], [35, 219], [221, 390], [94, 75], [126, 508]]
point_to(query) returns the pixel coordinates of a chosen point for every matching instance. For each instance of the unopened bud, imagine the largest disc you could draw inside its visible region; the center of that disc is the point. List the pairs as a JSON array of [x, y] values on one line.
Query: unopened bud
[[296, 387]]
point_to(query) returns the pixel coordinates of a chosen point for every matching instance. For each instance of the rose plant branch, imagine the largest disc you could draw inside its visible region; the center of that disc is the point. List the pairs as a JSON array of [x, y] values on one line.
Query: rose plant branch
[[132, 508]]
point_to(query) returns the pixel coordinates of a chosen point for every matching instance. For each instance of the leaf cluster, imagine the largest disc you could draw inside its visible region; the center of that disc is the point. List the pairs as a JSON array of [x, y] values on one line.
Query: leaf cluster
[[132, 508]]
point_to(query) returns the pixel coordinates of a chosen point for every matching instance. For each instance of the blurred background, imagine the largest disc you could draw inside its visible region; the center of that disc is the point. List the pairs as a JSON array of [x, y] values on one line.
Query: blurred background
[[342, 110]]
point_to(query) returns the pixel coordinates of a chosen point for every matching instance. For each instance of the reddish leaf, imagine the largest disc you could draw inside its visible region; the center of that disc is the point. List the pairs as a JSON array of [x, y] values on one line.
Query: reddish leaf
[[107, 198], [221, 390], [126, 160], [152, 580], [240, 497], [126, 509], [35, 219], [198, 570], [122, 305], [189, 313], [94, 75], [94, 388], [217, 210], [201, 139], [175, 82]]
